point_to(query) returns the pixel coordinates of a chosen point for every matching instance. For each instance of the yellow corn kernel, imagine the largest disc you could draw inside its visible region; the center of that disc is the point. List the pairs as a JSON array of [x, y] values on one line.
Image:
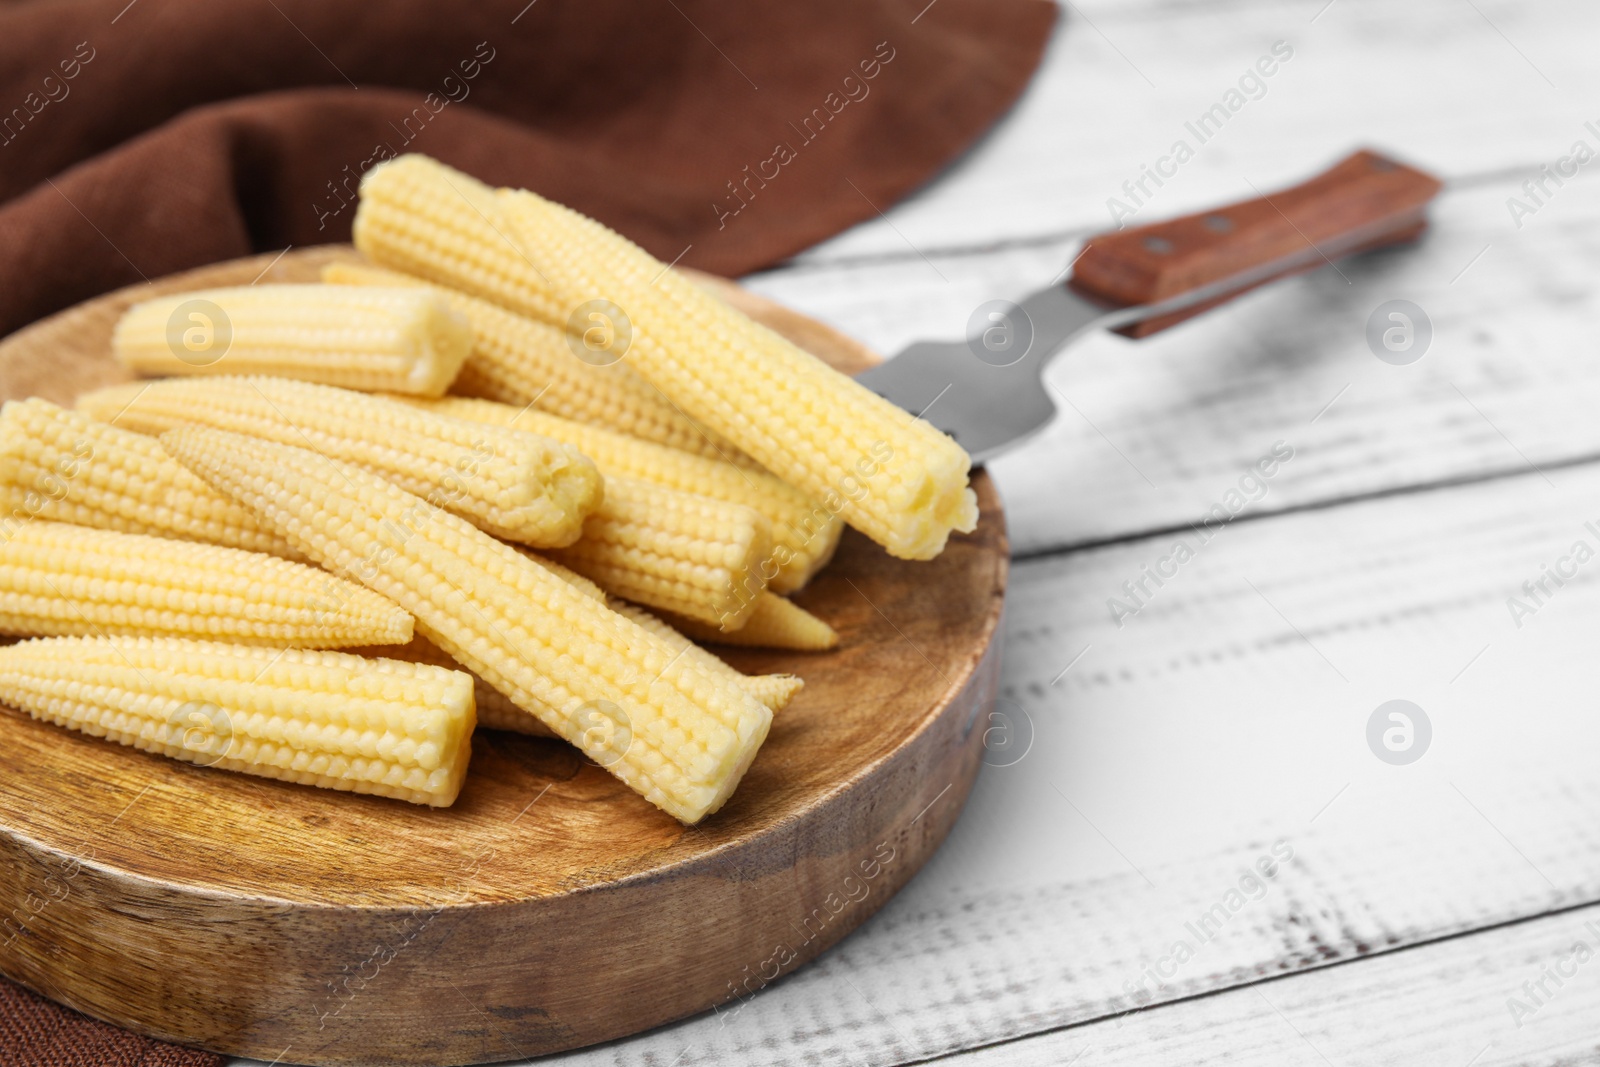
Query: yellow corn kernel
[[516, 485], [326, 719], [895, 478], [397, 340], [774, 623], [773, 690], [804, 533], [62, 465], [524, 362], [676, 551], [679, 736], [495, 709], [57, 579], [570, 576]]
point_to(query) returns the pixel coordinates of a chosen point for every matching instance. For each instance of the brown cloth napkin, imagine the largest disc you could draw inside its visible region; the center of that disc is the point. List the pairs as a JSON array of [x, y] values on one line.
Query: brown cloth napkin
[[141, 138], [37, 1033]]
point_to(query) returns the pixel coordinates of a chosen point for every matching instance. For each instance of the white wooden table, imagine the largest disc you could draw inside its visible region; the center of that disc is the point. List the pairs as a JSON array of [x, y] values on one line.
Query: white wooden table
[[1422, 909]]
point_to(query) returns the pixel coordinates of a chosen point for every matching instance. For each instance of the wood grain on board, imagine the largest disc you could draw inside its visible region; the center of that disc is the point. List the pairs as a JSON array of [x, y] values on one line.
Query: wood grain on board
[[550, 907]]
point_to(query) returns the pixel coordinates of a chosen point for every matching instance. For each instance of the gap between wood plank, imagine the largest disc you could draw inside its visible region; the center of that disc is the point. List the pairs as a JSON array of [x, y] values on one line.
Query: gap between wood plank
[[799, 264], [1252, 515], [1263, 980]]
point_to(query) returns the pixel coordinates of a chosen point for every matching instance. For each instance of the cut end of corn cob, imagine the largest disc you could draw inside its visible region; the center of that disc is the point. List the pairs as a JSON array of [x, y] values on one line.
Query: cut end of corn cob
[[400, 339], [516, 485], [680, 552], [774, 623], [327, 719], [804, 533], [65, 466], [57, 579], [495, 709], [677, 734]]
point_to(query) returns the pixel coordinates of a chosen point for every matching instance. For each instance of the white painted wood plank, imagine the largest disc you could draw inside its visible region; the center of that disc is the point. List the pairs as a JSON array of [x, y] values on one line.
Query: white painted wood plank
[[1229, 714], [1153, 433], [1522, 994], [1460, 88]]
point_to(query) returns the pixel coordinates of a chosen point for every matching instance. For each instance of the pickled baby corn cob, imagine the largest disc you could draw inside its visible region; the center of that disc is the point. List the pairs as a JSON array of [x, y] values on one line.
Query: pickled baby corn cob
[[57, 579], [516, 485], [440, 225], [895, 478], [804, 533], [62, 465], [522, 361], [678, 735], [495, 709], [680, 552], [497, 712], [327, 719], [774, 623], [398, 340], [773, 690]]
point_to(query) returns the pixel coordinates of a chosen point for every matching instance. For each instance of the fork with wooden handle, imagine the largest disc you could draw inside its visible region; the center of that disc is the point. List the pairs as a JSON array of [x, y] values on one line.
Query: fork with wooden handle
[[988, 392]]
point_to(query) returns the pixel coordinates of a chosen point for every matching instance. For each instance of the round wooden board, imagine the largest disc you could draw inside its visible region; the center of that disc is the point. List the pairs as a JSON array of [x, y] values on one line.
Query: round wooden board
[[550, 907]]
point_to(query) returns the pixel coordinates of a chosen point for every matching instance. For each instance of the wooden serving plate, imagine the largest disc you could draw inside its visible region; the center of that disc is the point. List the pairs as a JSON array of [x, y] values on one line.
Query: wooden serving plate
[[550, 907]]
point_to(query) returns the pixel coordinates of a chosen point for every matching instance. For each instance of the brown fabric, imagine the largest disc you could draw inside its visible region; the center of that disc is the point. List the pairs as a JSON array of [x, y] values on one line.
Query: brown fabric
[[137, 139], [37, 1033], [191, 131]]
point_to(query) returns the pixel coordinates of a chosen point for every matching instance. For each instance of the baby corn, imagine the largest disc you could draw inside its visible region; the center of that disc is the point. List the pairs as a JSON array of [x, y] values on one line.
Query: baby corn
[[895, 478], [444, 227], [678, 735], [773, 690], [495, 709], [57, 579], [680, 552], [774, 623], [515, 485], [497, 712], [327, 719], [398, 340], [522, 361], [804, 533], [62, 465]]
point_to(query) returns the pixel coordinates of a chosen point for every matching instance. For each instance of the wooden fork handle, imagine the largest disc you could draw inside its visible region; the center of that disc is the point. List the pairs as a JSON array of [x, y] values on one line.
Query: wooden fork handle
[[1362, 202]]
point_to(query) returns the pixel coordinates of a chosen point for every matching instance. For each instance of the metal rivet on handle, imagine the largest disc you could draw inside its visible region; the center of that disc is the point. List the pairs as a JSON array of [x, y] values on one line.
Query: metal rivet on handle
[[1159, 245], [1218, 223], [1382, 164]]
